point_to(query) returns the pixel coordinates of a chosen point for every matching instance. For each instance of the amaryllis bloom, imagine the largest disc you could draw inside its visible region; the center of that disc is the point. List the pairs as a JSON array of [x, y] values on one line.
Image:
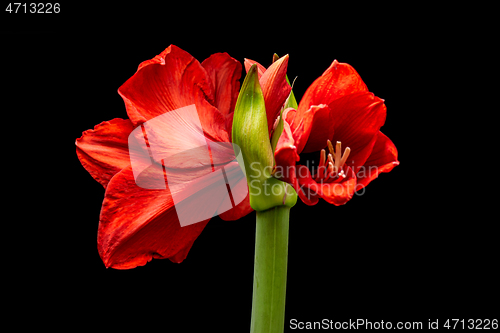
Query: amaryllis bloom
[[340, 120], [138, 224]]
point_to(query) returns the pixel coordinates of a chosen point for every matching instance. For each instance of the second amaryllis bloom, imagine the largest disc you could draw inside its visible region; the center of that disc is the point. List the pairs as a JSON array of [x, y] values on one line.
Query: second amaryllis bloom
[[339, 119], [137, 224]]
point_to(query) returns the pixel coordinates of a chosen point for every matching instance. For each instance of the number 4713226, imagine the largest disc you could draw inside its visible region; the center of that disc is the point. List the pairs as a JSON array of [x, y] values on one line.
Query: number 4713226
[[33, 8], [478, 324]]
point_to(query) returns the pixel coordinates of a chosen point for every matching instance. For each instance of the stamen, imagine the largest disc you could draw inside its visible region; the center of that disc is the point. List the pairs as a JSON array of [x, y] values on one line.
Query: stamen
[[347, 151], [331, 166], [321, 166], [338, 154], [336, 158], [322, 157], [330, 169], [330, 161], [330, 147], [330, 158]]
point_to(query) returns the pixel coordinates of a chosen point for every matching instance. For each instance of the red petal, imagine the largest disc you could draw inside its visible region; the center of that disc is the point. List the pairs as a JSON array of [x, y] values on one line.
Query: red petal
[[338, 80], [229, 125], [224, 72], [274, 86], [103, 151], [260, 69], [336, 193], [138, 224], [383, 158], [307, 189], [169, 81], [289, 115], [357, 119], [275, 89], [308, 197], [313, 129], [180, 139], [286, 138], [286, 156]]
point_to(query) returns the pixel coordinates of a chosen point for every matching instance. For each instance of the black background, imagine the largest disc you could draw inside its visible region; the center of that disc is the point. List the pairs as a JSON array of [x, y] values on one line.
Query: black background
[[414, 246]]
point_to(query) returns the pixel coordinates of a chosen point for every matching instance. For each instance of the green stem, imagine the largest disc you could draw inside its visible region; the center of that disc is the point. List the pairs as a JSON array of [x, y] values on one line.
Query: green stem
[[269, 284]]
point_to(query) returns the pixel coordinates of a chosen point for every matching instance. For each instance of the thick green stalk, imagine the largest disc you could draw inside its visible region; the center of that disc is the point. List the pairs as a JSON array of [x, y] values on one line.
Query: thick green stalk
[[270, 197], [270, 266]]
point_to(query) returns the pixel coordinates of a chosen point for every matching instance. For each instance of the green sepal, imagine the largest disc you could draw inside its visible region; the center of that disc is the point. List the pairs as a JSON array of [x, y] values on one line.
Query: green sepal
[[291, 102], [275, 57], [250, 131]]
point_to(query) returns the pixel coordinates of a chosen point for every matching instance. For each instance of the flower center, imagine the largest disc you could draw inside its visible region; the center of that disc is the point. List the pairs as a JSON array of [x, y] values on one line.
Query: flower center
[[331, 166]]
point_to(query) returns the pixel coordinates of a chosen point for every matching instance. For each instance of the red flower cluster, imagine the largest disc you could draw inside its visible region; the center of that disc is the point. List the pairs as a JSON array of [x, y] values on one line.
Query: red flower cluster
[[138, 224]]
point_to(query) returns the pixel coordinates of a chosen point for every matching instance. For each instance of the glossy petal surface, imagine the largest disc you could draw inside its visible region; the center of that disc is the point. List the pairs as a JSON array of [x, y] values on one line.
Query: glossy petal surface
[[103, 151]]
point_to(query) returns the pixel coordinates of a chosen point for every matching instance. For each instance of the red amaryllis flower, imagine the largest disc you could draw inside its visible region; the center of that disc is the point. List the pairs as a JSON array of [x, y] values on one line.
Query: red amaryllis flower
[[137, 224], [337, 112]]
